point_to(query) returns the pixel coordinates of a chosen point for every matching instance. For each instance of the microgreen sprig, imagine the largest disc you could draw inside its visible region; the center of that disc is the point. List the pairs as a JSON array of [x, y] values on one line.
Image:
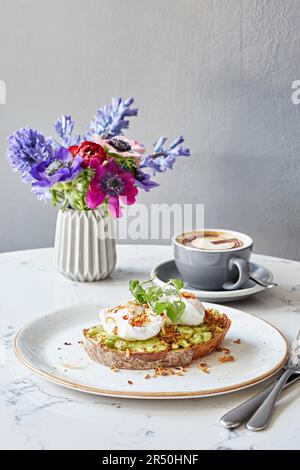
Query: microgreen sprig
[[159, 298]]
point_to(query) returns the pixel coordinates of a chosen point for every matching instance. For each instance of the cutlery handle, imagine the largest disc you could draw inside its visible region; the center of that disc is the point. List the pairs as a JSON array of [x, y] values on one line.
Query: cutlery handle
[[266, 284], [262, 416], [240, 413]]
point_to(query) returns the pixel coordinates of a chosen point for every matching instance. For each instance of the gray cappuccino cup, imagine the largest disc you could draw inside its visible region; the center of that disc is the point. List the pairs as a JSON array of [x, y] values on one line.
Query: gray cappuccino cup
[[214, 270]]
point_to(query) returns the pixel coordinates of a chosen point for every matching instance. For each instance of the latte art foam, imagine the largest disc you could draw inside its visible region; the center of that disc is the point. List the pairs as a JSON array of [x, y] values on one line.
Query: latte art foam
[[211, 241]]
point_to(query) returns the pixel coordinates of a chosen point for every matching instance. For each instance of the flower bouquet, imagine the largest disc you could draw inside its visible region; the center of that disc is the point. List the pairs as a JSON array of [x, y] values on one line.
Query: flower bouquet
[[90, 177]]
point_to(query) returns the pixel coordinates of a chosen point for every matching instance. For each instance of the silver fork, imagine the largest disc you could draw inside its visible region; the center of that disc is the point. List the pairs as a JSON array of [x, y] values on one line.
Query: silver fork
[[238, 415], [262, 416]]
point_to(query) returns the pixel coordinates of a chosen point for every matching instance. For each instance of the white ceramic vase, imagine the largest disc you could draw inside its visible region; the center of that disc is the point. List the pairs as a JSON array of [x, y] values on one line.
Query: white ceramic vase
[[85, 248]]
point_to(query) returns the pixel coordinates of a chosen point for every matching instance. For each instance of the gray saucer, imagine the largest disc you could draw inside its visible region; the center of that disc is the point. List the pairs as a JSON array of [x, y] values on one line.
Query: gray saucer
[[167, 270]]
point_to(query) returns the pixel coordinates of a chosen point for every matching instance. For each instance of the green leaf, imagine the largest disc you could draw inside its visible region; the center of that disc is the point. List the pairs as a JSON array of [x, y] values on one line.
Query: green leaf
[[153, 295], [174, 310], [127, 163], [132, 285], [177, 283], [163, 307], [180, 308], [160, 307], [138, 292]]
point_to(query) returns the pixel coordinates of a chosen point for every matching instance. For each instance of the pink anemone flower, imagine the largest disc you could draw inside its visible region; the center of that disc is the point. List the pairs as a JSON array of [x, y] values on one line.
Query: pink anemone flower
[[120, 145], [110, 183]]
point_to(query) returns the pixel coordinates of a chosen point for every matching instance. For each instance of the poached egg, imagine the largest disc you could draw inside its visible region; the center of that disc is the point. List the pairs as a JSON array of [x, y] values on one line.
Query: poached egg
[[194, 312], [134, 322], [131, 322]]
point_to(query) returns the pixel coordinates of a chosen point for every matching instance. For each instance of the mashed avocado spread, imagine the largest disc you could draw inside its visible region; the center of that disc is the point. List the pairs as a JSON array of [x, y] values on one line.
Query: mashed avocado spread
[[177, 337]]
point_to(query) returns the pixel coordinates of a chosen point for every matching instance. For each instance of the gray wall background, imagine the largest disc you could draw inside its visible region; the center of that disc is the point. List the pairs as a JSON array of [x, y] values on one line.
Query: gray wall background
[[217, 71]]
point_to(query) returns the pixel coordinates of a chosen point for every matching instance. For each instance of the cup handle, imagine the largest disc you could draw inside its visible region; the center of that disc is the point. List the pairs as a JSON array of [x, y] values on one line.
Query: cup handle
[[244, 272]]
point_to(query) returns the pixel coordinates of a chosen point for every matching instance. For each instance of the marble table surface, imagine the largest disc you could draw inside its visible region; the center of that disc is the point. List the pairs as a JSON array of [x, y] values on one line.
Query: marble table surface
[[36, 414]]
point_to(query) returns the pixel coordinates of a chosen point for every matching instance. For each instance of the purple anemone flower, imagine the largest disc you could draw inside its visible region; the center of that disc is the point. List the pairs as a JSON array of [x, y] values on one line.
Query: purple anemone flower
[[143, 181], [58, 168], [112, 184]]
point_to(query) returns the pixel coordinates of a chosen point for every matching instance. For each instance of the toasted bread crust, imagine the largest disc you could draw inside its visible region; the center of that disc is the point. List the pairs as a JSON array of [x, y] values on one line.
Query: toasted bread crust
[[148, 360]]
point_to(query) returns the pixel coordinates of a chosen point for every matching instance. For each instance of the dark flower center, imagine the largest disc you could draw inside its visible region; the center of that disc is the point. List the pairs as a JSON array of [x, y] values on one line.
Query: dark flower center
[[119, 144], [112, 185], [90, 151], [55, 166]]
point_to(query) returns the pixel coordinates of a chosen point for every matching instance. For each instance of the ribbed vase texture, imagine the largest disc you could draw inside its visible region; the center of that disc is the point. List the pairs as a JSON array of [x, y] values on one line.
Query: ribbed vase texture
[[85, 248]]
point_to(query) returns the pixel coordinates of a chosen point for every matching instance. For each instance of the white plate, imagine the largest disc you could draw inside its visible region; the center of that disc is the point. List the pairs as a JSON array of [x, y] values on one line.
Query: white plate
[[168, 270], [40, 346]]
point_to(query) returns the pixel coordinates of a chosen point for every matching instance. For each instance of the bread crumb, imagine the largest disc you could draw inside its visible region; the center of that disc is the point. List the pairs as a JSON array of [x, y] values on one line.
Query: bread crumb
[[187, 295], [115, 330], [67, 344], [161, 371], [114, 369], [179, 371], [203, 366], [129, 382], [224, 350], [237, 341], [226, 358], [147, 376]]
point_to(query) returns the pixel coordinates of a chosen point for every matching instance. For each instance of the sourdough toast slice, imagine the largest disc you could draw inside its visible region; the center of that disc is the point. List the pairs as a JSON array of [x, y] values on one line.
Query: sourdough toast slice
[[131, 359]]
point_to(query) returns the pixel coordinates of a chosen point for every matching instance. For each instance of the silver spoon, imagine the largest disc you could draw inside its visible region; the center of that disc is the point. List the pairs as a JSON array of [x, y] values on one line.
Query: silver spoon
[[266, 284]]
